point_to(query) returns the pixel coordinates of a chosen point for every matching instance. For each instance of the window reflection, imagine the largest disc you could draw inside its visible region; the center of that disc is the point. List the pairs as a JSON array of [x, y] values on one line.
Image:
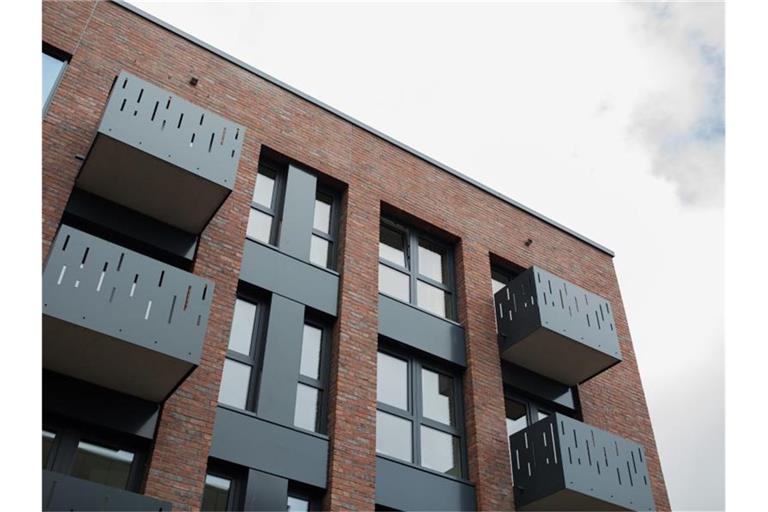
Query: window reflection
[[103, 465]]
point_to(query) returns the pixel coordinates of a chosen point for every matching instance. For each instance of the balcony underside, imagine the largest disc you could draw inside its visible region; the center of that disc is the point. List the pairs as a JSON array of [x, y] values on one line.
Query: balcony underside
[[109, 362], [566, 499]]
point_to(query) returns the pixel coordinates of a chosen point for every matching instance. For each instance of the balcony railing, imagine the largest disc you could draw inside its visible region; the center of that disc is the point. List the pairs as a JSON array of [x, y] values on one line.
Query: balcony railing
[[560, 463], [64, 492], [555, 328], [162, 156], [120, 319]]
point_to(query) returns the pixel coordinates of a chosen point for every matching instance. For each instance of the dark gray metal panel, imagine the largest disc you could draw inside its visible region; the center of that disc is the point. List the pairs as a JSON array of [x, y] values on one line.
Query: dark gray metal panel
[[416, 328], [265, 491], [281, 361], [268, 268], [132, 224], [120, 319], [161, 155], [298, 213], [85, 402], [243, 438], [595, 466], [405, 487], [537, 385], [360, 124], [555, 328], [63, 492]]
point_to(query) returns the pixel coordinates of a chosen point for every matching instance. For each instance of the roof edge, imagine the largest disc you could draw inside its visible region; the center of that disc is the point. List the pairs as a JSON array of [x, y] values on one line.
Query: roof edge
[[359, 124]]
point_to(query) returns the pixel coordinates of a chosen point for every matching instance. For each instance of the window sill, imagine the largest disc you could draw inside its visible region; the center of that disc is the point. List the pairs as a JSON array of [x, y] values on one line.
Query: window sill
[[253, 415]]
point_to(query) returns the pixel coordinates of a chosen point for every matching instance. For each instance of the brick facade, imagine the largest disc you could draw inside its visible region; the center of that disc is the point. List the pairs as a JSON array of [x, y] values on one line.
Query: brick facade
[[105, 38]]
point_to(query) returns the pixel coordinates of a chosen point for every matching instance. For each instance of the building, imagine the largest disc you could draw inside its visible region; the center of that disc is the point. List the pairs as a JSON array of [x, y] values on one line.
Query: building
[[252, 301]]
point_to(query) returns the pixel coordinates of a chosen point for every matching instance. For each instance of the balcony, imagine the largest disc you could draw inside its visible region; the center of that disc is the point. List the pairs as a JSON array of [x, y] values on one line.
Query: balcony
[[559, 463], [64, 492], [162, 156], [554, 328], [121, 320]]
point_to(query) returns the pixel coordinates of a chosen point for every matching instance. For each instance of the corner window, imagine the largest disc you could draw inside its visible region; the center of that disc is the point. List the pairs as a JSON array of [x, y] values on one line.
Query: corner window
[[240, 365], [416, 269], [309, 412], [419, 418], [54, 62]]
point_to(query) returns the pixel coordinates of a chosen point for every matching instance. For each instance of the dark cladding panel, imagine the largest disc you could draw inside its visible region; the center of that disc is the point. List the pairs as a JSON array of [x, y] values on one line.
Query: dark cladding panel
[[404, 487], [265, 492], [416, 328], [298, 213], [244, 439], [64, 492], [268, 268]]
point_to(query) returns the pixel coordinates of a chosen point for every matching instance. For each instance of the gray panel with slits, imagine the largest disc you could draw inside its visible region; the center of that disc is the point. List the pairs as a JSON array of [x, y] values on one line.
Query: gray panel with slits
[[596, 468], [171, 128], [122, 294]]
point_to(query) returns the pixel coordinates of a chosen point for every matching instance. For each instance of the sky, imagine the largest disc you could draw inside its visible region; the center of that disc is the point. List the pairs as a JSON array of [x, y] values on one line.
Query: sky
[[607, 117]]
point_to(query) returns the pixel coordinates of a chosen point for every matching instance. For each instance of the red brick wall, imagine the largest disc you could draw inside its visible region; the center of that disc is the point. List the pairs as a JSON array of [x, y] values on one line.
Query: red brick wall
[[112, 38]]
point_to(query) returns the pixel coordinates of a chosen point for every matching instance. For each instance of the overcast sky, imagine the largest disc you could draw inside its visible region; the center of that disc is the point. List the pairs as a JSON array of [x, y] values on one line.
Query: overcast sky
[[606, 117]]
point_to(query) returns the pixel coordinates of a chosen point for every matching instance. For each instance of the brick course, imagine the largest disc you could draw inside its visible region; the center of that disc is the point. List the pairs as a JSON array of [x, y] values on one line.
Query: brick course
[[106, 38]]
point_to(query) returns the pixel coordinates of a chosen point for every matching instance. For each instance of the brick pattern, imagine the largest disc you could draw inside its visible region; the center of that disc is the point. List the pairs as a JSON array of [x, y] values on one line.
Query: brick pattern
[[376, 172]]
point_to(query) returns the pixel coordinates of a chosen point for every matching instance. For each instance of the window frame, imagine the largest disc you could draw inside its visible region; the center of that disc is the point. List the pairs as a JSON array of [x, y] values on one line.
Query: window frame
[[321, 384], [412, 236], [65, 58], [254, 360], [63, 452], [415, 413], [333, 219], [237, 478], [274, 170]]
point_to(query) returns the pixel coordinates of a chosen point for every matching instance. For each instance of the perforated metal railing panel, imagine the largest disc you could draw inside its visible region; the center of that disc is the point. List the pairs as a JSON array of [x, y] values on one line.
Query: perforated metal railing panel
[[171, 128], [115, 291], [537, 297], [562, 453]]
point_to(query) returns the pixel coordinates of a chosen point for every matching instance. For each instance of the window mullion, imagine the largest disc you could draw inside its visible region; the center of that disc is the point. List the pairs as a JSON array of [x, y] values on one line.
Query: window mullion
[[413, 263], [417, 409]]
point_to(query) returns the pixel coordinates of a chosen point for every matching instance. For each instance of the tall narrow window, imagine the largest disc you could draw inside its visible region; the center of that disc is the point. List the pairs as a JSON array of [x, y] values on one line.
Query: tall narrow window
[[216, 493], [103, 464], [310, 411], [48, 439], [416, 269], [265, 203], [54, 62], [418, 417], [237, 381], [321, 251]]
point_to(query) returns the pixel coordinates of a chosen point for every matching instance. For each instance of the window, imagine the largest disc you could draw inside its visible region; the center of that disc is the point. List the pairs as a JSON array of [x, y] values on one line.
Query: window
[[296, 504], [500, 277], [321, 250], [240, 365], [266, 203], [419, 418], [96, 455], [521, 412], [54, 62], [416, 269], [224, 487], [309, 412], [216, 493]]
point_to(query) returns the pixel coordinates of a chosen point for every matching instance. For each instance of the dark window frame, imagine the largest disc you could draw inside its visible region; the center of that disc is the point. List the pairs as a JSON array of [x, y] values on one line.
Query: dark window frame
[[414, 414], [333, 219], [411, 237], [65, 58], [321, 384], [237, 478], [274, 170], [63, 452], [258, 341]]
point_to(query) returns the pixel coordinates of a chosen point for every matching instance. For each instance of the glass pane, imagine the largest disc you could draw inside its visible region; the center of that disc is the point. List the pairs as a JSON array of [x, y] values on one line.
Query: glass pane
[[432, 299], [392, 246], [48, 438], [297, 505], [318, 251], [259, 226], [516, 416], [322, 221], [262, 192], [103, 465], [216, 493], [497, 285], [392, 381], [310, 351], [51, 69], [305, 413], [234, 384], [437, 396], [431, 261], [393, 436], [394, 283], [242, 327], [440, 451], [540, 415]]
